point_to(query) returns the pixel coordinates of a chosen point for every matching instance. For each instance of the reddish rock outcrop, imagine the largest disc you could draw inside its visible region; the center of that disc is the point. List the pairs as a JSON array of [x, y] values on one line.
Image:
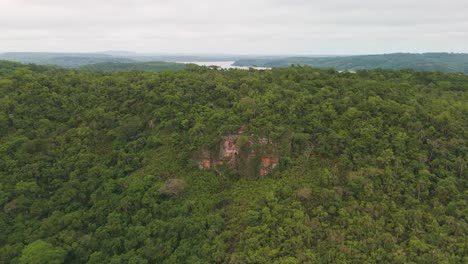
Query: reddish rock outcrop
[[229, 153], [228, 149], [204, 159], [205, 163], [268, 164]]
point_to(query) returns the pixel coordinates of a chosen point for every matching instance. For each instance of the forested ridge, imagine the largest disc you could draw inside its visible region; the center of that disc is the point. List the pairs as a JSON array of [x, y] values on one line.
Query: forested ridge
[[99, 167], [153, 66], [444, 62], [67, 60], [110, 61]]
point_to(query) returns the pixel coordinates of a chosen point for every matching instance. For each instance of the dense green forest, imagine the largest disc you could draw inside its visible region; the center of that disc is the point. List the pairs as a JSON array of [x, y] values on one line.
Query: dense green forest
[[99, 167], [444, 62], [153, 66]]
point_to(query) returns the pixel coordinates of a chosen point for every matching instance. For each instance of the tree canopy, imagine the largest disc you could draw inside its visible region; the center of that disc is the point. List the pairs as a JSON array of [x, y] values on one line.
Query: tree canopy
[[99, 167]]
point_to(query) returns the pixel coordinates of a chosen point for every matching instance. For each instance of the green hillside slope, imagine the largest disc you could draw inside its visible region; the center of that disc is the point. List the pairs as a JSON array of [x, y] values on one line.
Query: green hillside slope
[[104, 167]]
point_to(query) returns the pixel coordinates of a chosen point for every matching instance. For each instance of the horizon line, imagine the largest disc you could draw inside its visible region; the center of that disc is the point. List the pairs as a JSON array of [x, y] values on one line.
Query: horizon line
[[136, 53]]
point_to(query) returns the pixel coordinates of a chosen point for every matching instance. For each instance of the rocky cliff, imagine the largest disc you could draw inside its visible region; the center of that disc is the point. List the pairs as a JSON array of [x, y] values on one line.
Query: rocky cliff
[[253, 154]]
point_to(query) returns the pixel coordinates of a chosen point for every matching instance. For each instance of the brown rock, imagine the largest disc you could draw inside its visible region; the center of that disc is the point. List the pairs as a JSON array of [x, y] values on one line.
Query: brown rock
[[229, 152], [268, 164]]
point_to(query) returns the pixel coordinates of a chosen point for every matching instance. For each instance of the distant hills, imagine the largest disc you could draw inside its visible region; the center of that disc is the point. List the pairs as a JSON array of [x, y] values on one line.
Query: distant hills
[[93, 61], [67, 60], [76, 60], [444, 62], [123, 60], [154, 66]]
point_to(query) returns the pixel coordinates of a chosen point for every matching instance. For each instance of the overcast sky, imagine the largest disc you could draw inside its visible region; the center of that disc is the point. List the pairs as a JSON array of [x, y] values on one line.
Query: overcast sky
[[235, 26]]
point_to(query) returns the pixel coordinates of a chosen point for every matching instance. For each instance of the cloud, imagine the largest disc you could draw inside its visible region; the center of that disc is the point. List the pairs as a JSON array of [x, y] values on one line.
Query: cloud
[[275, 26]]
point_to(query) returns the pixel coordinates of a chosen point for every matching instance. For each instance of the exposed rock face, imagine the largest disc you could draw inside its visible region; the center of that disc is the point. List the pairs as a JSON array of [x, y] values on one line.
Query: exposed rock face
[[205, 163], [204, 159], [229, 149], [230, 154], [268, 164]]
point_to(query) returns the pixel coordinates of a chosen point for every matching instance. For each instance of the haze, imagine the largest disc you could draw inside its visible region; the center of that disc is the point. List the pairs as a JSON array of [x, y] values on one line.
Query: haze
[[240, 27]]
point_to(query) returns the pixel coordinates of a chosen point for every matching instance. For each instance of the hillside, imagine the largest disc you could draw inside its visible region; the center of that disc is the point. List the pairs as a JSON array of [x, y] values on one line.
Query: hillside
[[289, 165], [153, 66], [76, 60], [444, 62], [67, 60]]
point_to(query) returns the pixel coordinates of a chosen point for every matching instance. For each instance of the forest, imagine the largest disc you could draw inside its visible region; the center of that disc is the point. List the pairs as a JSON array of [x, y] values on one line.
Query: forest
[[153, 66], [67, 60], [115, 61], [444, 62], [121, 59], [101, 167]]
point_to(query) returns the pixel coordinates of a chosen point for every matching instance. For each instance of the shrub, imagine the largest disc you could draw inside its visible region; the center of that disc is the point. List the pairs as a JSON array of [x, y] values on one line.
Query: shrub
[[173, 186]]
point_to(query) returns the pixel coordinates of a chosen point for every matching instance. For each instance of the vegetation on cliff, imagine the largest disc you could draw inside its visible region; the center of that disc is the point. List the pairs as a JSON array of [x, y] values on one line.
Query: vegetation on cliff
[[98, 167]]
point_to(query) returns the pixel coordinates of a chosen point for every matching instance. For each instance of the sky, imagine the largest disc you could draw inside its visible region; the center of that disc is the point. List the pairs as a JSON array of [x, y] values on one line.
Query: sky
[[235, 27]]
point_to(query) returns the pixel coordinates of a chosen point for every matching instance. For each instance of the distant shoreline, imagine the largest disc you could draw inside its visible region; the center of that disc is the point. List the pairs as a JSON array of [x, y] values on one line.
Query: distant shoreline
[[223, 65]]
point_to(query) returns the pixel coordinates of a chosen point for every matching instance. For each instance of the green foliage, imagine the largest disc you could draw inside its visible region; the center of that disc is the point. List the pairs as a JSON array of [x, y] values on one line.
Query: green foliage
[[173, 187], [41, 252], [101, 166]]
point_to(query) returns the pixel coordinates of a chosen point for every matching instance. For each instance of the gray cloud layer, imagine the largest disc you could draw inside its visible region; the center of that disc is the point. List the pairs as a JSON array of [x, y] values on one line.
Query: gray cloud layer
[[242, 26]]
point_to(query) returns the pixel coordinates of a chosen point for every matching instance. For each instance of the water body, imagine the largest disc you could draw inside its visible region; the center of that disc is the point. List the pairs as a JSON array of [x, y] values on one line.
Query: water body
[[222, 65]]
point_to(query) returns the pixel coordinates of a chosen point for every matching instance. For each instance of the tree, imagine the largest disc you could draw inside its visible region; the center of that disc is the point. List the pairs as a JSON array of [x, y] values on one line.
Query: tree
[[173, 186], [41, 252]]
